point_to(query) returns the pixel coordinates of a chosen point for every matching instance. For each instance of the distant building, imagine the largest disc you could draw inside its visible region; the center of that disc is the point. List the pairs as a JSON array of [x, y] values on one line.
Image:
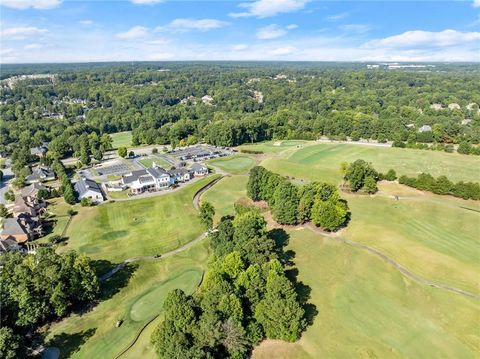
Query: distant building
[[425, 128], [471, 106], [207, 100], [199, 170], [39, 151], [454, 106], [87, 188], [436, 106], [466, 121], [179, 175], [40, 174]]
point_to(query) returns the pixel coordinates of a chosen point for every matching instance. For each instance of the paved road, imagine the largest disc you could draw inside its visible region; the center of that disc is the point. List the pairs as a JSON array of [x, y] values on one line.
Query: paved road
[[7, 178]]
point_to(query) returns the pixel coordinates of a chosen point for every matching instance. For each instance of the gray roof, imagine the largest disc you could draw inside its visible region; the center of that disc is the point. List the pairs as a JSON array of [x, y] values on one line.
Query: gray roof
[[198, 167], [40, 150], [178, 172], [155, 172], [32, 189], [12, 227], [40, 173], [85, 185], [8, 245]]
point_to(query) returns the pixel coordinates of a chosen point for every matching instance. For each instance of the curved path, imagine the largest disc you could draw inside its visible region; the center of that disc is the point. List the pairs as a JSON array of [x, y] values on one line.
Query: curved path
[[397, 265], [198, 194]]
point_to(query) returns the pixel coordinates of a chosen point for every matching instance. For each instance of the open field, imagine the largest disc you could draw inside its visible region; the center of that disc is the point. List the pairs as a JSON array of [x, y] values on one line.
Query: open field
[[121, 139], [238, 164], [148, 226], [94, 334], [271, 147], [322, 161], [367, 309], [224, 194]]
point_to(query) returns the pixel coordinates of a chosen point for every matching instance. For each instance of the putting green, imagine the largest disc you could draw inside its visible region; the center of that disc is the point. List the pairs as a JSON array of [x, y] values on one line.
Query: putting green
[[187, 281]]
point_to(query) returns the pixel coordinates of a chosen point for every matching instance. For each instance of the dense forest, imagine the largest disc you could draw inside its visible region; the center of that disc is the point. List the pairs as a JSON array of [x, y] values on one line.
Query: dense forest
[[228, 104]]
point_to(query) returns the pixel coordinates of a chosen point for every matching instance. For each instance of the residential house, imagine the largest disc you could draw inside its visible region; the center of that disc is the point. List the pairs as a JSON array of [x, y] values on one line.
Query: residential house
[[22, 207], [30, 193], [425, 128], [151, 179], [39, 151], [199, 170], [207, 100], [21, 228], [40, 174], [87, 188]]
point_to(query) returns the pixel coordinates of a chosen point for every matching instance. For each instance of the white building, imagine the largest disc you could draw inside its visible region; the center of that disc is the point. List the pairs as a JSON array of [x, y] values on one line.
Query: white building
[[87, 188], [154, 178]]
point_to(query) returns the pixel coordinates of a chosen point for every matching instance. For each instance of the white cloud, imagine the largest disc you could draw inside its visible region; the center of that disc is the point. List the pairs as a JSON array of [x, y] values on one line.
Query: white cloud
[[21, 32], [476, 3], [271, 32], [86, 22], [183, 25], [239, 47], [267, 8], [355, 28], [32, 46], [337, 17], [145, 2], [281, 51], [34, 4], [425, 39], [135, 32], [291, 26], [158, 42]]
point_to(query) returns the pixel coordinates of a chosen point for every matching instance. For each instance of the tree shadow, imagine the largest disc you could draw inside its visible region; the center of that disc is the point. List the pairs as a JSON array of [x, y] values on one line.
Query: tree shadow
[[304, 293], [70, 343], [116, 282], [281, 238]]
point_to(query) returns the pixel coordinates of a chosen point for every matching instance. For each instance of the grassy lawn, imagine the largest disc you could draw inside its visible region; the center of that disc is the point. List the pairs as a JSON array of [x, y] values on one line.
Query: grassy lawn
[[147, 226], [58, 208], [147, 162], [121, 139], [117, 194], [237, 164], [94, 334], [367, 309], [274, 146], [224, 194], [322, 162]]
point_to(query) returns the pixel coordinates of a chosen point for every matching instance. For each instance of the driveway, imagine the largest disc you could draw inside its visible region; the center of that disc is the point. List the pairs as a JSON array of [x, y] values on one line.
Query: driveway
[[7, 178]]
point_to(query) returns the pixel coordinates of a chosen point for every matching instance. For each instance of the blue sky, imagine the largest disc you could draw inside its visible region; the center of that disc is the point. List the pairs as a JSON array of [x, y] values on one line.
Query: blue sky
[[137, 30]]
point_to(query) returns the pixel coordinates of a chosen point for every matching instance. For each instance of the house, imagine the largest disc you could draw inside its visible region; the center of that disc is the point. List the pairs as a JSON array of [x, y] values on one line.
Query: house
[[87, 188], [154, 178], [39, 151], [22, 207], [8, 245], [30, 193], [207, 100], [425, 128], [436, 106], [40, 174], [199, 170], [16, 229], [179, 175], [454, 106]]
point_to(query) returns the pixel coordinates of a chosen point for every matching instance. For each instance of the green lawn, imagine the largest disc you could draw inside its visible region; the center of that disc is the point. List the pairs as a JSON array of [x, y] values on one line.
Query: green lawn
[[148, 226], [94, 334], [224, 194], [238, 164], [367, 309], [271, 147], [147, 162], [322, 162], [121, 139]]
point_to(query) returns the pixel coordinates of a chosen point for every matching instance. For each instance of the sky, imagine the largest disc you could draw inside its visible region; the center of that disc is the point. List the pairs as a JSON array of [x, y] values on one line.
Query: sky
[[42, 31]]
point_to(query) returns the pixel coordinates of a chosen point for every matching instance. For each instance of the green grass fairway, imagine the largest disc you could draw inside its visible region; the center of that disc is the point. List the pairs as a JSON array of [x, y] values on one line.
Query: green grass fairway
[[121, 139], [274, 146], [224, 194], [367, 309], [147, 162], [135, 304], [238, 164], [322, 162], [431, 235], [148, 226]]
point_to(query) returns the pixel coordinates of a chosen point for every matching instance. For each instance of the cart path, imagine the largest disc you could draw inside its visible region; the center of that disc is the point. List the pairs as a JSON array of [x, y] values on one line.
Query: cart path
[[403, 270]]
